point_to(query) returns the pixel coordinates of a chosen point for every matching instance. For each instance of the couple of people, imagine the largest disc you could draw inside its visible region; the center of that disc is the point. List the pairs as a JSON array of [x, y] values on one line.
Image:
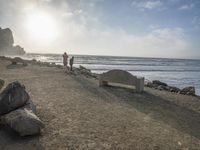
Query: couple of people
[[65, 61]]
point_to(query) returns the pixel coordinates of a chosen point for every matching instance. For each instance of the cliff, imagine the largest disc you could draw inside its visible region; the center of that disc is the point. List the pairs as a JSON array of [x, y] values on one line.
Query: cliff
[[6, 43]]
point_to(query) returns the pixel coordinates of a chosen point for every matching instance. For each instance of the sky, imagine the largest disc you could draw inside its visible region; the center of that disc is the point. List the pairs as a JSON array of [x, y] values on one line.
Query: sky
[[138, 28]]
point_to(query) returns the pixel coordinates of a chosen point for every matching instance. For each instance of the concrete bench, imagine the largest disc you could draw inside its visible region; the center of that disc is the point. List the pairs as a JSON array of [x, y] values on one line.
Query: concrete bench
[[122, 77]]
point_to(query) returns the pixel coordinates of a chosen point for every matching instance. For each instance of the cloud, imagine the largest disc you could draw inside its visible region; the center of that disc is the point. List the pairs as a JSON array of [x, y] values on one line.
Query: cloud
[[152, 4], [160, 42], [147, 4], [174, 1], [186, 7], [196, 23]]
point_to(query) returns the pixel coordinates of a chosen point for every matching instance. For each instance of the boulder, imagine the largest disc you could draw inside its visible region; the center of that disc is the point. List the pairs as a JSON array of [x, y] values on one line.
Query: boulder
[[157, 82], [150, 84], [83, 68], [188, 91], [86, 72], [13, 97], [174, 89], [161, 87], [23, 121], [29, 106], [166, 88], [2, 82]]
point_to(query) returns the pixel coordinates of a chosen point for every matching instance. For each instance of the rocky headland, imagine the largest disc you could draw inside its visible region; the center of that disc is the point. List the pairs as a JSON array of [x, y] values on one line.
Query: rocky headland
[[7, 46]]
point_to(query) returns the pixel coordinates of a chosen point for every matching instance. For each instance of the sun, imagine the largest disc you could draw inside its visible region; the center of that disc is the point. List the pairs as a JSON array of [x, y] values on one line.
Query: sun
[[41, 27]]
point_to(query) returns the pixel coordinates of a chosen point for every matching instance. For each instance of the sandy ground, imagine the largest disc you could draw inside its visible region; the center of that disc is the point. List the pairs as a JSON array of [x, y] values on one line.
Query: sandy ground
[[80, 115]]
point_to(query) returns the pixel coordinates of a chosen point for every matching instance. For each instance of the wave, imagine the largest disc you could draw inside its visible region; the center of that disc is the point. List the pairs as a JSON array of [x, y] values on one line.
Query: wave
[[101, 69]]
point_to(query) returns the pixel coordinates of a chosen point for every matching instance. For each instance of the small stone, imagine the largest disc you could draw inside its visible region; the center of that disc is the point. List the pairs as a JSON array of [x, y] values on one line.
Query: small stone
[[179, 143]]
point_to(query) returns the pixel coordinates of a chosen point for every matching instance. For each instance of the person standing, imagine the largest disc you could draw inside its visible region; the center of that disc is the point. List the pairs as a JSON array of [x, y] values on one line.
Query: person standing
[[71, 62], [65, 59]]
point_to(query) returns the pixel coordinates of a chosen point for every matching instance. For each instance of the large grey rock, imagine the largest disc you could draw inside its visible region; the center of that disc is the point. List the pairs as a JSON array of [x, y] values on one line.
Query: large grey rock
[[157, 82], [2, 82], [13, 97], [188, 90], [23, 121]]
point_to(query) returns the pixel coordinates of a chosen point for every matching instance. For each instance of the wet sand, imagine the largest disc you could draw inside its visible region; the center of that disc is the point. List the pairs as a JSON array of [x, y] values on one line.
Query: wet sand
[[78, 114]]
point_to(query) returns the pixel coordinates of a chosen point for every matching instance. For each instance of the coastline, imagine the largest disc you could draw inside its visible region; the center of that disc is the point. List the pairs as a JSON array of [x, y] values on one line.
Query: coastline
[[79, 69], [78, 114], [177, 73]]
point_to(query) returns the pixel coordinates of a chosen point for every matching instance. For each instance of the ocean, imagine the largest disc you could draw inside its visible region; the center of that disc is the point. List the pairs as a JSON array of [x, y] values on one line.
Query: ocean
[[174, 72]]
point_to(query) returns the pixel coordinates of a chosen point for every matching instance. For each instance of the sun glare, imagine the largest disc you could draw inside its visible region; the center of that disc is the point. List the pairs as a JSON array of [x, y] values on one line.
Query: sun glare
[[41, 27]]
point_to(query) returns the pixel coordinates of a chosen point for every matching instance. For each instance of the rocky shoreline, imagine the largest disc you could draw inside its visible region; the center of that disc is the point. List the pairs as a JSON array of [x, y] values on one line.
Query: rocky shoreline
[[75, 71], [155, 84]]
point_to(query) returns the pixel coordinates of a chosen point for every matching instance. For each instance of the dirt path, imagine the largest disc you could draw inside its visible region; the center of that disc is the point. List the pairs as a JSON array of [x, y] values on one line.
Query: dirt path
[[80, 115]]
